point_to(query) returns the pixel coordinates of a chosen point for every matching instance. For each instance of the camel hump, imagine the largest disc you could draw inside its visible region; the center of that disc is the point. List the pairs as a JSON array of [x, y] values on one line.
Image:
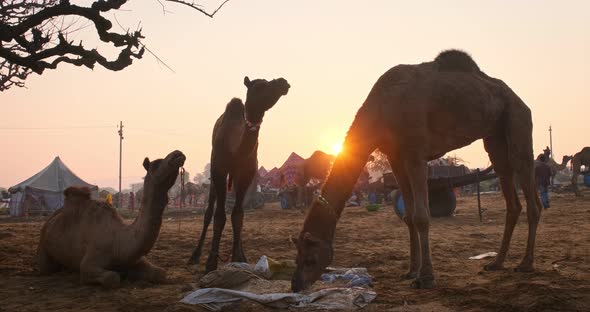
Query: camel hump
[[455, 61], [235, 108], [81, 192]]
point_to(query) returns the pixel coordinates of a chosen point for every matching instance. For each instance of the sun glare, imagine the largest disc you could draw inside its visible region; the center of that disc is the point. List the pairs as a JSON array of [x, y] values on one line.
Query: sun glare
[[336, 149]]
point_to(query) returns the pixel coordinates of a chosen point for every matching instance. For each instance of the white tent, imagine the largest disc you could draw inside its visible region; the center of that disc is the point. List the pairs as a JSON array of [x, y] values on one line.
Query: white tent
[[43, 192]]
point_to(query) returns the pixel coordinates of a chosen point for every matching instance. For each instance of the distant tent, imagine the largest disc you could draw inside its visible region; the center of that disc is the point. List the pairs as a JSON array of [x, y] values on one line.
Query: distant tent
[[262, 172], [272, 178], [291, 171], [43, 192]]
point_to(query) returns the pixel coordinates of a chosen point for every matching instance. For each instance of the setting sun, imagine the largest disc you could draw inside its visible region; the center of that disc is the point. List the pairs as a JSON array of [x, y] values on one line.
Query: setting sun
[[336, 149]]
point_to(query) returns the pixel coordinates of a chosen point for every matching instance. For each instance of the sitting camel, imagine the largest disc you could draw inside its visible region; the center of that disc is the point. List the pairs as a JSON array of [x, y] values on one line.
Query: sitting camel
[[417, 113], [89, 236], [581, 158], [555, 167], [235, 153]]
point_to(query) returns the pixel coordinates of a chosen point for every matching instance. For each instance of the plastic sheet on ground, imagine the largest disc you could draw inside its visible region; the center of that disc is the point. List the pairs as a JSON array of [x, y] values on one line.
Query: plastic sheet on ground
[[484, 255], [353, 277], [215, 299]]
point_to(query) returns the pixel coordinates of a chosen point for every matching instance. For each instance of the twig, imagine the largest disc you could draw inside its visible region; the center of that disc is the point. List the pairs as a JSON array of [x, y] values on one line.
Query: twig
[[197, 7]]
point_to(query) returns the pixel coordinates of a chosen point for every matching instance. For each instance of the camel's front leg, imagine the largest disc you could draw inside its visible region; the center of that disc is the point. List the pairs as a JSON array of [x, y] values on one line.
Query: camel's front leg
[[144, 270], [46, 264], [92, 271], [237, 217]]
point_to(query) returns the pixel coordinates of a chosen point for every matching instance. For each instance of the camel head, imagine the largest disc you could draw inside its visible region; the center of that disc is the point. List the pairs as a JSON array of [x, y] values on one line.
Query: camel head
[[262, 95], [566, 159], [313, 256], [162, 173], [547, 152]]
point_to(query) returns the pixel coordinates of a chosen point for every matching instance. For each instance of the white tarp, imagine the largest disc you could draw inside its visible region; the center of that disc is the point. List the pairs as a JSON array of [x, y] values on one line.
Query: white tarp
[[215, 299]]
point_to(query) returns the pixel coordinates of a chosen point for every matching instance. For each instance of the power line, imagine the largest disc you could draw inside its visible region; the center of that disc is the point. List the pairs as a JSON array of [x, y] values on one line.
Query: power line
[[56, 128]]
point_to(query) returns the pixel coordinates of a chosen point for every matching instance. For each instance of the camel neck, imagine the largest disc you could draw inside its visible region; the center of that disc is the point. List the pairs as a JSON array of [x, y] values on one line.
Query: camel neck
[[325, 212], [249, 142], [146, 227]]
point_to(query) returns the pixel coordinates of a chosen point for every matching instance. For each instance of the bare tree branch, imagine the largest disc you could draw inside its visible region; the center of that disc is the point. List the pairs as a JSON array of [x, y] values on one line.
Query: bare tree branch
[[198, 7], [34, 37]]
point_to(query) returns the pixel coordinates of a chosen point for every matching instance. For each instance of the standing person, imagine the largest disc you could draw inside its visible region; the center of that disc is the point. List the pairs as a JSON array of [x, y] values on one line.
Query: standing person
[[132, 201], [543, 179]]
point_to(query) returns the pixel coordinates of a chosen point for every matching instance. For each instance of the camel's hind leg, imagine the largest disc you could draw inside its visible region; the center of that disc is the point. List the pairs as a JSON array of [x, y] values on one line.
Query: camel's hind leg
[[206, 221], [144, 270], [92, 271], [46, 264], [220, 181]]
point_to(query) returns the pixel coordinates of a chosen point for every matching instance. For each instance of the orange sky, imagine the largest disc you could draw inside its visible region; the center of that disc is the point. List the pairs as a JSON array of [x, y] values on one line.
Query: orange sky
[[331, 52]]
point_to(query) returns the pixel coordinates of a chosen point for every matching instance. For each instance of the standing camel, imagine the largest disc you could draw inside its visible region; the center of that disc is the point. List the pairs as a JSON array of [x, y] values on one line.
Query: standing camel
[[416, 113], [316, 166], [234, 153], [555, 167], [581, 158]]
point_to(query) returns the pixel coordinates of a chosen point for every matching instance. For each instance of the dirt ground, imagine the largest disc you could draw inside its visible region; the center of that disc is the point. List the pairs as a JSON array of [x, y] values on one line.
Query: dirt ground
[[375, 240]]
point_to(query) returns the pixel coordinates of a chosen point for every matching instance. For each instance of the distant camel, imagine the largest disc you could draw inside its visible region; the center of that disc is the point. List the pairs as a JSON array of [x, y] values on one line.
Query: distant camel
[[417, 113], [317, 167], [89, 236], [235, 153], [555, 167], [191, 190], [581, 158]]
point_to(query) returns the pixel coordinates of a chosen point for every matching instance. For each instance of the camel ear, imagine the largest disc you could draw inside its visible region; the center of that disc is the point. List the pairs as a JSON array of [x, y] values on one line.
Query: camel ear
[[146, 164], [247, 82]]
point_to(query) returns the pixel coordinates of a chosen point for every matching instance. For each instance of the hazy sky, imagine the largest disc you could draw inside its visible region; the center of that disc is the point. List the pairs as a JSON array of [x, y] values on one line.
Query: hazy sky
[[331, 52]]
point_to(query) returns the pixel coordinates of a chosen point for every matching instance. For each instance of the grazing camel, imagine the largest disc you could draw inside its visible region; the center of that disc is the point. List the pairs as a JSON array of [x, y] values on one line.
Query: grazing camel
[[416, 113], [235, 153], [89, 236], [581, 158]]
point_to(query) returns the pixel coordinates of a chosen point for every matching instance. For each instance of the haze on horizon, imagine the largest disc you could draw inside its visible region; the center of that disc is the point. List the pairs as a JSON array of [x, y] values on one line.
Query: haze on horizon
[[331, 52]]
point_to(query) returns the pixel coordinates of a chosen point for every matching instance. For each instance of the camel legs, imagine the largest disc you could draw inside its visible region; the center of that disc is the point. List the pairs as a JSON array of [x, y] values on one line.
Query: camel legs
[[220, 181], [417, 175], [46, 264], [406, 190], [92, 271], [144, 270], [206, 221], [497, 149], [237, 217]]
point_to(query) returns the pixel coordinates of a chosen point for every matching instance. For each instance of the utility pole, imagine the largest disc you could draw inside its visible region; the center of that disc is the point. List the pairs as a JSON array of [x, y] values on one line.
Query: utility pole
[[120, 201], [551, 142]]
